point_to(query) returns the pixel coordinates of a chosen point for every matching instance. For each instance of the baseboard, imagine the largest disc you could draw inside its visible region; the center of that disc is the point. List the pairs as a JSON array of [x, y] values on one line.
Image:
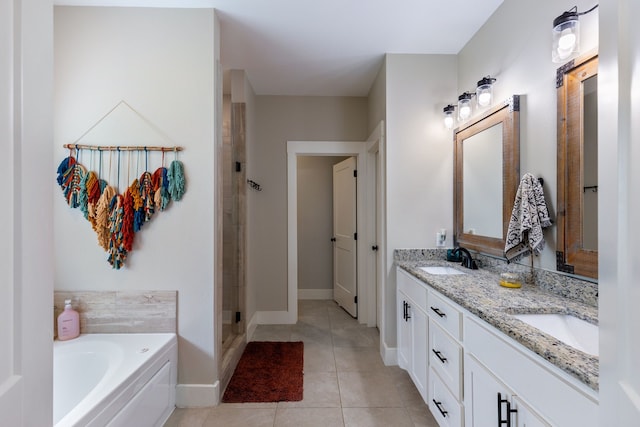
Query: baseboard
[[275, 318], [197, 395], [251, 326], [389, 355], [315, 294]]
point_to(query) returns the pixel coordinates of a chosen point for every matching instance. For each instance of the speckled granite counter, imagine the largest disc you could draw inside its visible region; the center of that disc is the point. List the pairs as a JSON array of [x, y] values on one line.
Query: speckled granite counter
[[478, 292]]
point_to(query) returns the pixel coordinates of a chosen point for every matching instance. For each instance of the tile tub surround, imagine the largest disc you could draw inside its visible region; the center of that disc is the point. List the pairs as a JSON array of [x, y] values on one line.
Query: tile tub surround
[[121, 311], [478, 292]]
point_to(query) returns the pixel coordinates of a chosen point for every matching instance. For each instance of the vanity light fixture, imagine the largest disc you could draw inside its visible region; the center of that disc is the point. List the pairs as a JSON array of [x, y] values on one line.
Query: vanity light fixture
[[464, 106], [484, 92], [566, 35], [449, 119]]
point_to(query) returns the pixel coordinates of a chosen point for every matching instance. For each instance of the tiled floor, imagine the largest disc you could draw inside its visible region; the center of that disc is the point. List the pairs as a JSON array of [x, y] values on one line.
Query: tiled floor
[[345, 381]]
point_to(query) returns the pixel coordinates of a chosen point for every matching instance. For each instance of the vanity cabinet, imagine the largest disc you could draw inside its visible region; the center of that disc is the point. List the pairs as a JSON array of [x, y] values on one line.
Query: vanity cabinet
[[472, 375], [429, 329], [490, 402], [533, 393], [412, 330]]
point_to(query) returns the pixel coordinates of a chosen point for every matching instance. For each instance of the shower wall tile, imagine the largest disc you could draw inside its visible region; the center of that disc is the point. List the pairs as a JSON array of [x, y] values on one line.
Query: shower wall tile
[[121, 311]]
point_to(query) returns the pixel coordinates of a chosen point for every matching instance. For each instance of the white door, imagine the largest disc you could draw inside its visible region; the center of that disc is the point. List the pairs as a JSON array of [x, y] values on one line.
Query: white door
[[345, 281], [26, 224]]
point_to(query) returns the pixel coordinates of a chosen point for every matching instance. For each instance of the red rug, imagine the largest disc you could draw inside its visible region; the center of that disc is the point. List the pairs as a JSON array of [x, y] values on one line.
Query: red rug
[[267, 372]]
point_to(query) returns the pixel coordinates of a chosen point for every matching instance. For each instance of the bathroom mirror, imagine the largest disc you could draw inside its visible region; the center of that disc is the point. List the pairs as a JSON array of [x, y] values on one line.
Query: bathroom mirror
[[486, 174], [577, 88]]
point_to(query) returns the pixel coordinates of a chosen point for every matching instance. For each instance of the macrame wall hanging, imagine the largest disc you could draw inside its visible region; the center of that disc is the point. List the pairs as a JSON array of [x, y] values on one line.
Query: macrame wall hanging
[[116, 217]]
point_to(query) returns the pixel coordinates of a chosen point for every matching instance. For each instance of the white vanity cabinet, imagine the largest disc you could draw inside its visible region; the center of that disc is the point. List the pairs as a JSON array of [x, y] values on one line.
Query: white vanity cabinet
[[490, 402], [472, 375], [532, 392], [412, 329]]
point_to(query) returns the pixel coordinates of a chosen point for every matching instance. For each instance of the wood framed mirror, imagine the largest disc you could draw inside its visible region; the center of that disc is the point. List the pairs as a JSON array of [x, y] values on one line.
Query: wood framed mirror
[[486, 172], [577, 89]]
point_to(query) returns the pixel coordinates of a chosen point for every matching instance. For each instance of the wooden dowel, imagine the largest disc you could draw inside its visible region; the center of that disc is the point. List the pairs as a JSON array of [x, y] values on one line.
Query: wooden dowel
[[120, 148]]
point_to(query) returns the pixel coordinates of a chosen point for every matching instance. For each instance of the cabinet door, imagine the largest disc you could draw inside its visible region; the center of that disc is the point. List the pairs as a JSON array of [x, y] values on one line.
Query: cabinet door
[[482, 392], [404, 333], [419, 356], [525, 416]]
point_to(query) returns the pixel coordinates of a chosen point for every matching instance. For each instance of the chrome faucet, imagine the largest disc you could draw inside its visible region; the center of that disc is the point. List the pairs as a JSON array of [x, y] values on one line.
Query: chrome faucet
[[467, 259]]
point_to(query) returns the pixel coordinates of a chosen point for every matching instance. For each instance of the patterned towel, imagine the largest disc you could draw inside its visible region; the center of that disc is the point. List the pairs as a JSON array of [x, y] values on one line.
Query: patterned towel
[[528, 218]]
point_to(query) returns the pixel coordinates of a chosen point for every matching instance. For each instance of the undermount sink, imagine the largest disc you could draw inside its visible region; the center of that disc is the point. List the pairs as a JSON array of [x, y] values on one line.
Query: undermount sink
[[441, 270], [572, 331]]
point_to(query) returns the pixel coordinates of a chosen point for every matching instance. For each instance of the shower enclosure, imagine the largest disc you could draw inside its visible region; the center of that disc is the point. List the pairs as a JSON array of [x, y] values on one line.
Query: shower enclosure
[[234, 226]]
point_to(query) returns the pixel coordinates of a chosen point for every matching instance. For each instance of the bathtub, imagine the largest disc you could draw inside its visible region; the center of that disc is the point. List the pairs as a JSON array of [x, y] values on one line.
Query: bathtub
[[114, 380]]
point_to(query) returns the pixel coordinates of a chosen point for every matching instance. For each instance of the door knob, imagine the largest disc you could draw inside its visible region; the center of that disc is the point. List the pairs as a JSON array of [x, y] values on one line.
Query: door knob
[[374, 247]]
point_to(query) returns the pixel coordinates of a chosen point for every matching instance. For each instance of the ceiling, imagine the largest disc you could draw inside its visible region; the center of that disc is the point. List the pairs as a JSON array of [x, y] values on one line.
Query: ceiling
[[328, 47]]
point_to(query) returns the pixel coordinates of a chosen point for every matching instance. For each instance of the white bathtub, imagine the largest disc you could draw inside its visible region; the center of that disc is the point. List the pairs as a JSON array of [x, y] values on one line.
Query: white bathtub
[[114, 380]]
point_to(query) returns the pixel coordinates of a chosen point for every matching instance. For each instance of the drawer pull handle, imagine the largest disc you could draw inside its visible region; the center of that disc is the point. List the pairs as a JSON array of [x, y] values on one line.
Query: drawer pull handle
[[405, 308], [439, 406], [509, 411], [438, 312], [439, 355]]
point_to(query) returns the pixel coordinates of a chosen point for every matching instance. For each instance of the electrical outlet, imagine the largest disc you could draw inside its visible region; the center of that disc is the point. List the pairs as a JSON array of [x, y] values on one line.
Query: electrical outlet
[[441, 239]]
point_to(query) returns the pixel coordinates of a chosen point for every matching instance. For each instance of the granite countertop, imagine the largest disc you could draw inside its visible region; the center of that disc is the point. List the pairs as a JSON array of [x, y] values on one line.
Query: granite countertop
[[479, 292]]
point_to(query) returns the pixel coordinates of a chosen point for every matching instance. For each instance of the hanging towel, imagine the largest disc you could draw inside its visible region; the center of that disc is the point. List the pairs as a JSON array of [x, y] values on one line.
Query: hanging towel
[[528, 217]]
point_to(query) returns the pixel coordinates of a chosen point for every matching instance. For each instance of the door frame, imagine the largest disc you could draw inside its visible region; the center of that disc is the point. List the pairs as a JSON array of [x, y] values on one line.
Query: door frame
[[376, 226], [358, 149]]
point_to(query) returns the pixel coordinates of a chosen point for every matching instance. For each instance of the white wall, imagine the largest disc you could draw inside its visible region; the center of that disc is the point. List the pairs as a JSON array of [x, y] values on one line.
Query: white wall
[[280, 119], [514, 46], [161, 62], [419, 159], [315, 223]]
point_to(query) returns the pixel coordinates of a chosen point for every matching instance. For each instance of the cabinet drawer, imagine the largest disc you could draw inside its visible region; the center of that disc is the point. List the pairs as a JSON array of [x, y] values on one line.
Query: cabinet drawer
[[443, 405], [445, 356], [445, 314], [413, 289]]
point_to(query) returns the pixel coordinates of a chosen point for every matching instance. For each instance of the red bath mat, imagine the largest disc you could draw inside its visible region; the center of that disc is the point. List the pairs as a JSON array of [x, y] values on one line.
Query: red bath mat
[[267, 372]]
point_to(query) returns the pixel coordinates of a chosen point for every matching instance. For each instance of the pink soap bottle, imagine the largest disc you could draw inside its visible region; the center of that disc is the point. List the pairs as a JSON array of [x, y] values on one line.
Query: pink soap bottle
[[68, 322]]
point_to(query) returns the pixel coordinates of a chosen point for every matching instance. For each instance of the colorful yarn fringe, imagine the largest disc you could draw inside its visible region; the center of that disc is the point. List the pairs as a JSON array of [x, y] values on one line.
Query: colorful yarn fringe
[[116, 218], [177, 182]]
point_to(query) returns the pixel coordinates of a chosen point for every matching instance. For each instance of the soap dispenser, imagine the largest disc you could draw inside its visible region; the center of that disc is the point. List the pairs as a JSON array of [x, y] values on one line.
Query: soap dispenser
[[68, 322]]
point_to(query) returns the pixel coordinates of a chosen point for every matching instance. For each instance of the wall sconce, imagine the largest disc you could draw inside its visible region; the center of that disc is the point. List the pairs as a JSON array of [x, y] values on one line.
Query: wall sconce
[[566, 35], [484, 92], [464, 106], [449, 119]]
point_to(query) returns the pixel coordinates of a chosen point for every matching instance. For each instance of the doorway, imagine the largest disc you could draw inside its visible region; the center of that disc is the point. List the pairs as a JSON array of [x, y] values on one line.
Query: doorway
[[367, 292], [315, 226]]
